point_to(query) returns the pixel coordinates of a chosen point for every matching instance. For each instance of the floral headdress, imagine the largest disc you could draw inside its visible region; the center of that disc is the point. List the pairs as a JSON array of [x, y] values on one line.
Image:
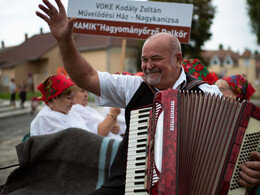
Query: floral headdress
[[53, 86], [196, 69], [240, 86]]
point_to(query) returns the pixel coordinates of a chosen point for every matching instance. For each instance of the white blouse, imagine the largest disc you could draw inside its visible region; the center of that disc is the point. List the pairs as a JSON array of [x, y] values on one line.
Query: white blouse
[[92, 118], [48, 121]]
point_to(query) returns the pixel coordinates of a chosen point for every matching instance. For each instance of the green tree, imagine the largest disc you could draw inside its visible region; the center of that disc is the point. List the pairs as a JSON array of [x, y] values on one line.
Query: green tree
[[203, 14], [253, 11]]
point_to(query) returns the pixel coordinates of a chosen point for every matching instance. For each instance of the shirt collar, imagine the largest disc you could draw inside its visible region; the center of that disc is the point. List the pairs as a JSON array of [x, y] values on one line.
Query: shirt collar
[[181, 81]]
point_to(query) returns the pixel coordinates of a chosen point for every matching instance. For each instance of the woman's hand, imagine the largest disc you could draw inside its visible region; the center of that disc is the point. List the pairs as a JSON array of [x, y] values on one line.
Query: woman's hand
[[115, 111], [115, 129]]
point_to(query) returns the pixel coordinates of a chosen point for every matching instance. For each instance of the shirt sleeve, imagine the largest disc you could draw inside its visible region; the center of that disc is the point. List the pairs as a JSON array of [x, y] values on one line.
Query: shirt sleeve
[[210, 89], [117, 90]]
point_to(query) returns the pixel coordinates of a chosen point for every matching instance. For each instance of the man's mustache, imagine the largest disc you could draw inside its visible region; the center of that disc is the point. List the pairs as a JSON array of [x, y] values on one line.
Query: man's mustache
[[153, 70]]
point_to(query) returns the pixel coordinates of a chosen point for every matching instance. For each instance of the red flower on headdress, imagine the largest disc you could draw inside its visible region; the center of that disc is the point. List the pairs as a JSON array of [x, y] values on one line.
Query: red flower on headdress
[[196, 68], [196, 74], [199, 67]]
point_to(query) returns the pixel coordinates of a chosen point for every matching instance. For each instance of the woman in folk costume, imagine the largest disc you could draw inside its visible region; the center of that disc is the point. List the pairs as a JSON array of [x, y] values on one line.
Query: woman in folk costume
[[58, 94], [196, 69], [103, 125], [236, 86]]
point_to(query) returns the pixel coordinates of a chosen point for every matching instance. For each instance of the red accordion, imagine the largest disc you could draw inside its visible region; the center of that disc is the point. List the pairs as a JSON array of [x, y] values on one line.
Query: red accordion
[[195, 144]]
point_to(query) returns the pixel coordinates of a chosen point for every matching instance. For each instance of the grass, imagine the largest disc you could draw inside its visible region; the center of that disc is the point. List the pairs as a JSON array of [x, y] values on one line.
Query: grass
[[29, 95]]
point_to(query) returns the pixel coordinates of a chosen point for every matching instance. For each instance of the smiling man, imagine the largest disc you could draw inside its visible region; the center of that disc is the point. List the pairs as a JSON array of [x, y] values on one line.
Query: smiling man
[[161, 57]]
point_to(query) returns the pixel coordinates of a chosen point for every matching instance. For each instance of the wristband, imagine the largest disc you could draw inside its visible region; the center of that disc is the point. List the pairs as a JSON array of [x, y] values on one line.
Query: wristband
[[112, 116]]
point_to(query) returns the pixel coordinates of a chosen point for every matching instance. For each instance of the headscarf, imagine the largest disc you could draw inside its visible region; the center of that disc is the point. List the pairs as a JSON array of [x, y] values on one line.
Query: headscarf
[[128, 73], [125, 73], [196, 69], [214, 75], [53, 86], [240, 86], [139, 74]]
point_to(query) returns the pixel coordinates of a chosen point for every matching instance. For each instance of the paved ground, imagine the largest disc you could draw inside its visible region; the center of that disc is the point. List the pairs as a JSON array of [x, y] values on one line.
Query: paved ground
[[12, 130]]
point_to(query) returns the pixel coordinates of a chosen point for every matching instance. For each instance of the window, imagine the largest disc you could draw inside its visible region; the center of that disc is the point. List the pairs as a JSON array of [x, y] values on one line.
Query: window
[[228, 61], [215, 61], [6, 80], [246, 62]]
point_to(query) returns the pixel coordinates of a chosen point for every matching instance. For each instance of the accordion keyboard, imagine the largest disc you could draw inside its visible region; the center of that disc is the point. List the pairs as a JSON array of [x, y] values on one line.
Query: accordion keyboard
[[136, 155]]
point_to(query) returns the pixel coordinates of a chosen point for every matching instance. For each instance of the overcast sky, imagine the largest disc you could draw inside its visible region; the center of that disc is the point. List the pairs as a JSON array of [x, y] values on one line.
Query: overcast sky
[[230, 27]]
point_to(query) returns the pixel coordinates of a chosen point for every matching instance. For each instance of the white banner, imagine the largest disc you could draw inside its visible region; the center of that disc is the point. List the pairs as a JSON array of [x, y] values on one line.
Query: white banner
[[125, 18]]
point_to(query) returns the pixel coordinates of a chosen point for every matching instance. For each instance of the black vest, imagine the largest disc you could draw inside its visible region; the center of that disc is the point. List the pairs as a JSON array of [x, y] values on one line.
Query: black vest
[[143, 97]]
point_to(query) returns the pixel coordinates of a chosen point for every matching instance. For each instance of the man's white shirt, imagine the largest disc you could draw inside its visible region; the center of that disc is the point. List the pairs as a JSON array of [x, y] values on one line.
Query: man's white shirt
[[118, 90]]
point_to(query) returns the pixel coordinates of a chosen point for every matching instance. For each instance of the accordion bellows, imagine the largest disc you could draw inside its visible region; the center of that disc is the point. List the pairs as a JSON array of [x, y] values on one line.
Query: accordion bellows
[[203, 141]]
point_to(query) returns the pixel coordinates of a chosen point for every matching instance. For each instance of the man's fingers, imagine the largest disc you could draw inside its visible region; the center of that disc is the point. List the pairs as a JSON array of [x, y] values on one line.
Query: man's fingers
[[246, 181], [45, 10], [256, 155], [245, 184], [52, 9], [250, 177], [254, 165], [61, 7], [71, 21], [44, 17]]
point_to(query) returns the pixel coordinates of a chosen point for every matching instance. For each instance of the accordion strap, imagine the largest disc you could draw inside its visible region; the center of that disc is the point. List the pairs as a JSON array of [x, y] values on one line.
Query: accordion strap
[[193, 84]]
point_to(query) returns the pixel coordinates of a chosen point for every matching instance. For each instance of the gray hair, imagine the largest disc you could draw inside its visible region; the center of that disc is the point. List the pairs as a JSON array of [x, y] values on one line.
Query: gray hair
[[175, 46]]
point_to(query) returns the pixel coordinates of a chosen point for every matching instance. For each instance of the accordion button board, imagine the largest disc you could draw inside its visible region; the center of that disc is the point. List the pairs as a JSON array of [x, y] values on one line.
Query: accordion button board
[[250, 143]]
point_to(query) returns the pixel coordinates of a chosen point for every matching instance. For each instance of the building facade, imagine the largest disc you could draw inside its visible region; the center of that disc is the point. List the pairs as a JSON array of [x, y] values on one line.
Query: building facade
[[38, 57], [227, 62]]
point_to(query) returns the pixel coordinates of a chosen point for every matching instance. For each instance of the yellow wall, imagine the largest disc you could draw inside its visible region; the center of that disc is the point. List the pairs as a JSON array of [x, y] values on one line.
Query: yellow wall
[[98, 59], [8, 73], [101, 60], [115, 60], [54, 60]]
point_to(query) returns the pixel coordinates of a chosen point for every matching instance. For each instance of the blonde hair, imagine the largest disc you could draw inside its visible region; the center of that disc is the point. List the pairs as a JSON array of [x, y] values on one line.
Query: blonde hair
[[221, 81], [70, 90]]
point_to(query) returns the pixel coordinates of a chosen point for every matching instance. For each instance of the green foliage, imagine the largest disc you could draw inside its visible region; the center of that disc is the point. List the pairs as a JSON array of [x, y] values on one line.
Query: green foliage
[[203, 14], [253, 11]]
